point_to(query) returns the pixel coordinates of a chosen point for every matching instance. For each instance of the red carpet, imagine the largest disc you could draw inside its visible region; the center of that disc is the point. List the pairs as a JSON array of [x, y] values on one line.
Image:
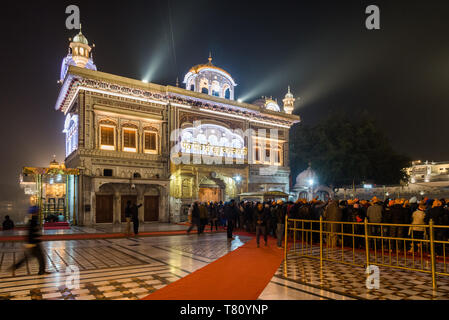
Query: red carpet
[[240, 275], [56, 225]]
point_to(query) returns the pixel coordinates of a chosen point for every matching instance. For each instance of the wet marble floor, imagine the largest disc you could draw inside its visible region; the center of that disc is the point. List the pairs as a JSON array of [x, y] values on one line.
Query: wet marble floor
[[102, 228]]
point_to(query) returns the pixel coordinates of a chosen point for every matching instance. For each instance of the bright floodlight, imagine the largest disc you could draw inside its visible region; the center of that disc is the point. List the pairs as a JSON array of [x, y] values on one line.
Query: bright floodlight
[[240, 100], [238, 178], [310, 181], [145, 81]]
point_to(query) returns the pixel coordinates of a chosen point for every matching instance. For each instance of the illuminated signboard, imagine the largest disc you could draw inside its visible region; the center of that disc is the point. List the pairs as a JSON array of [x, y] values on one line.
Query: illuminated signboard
[[213, 140]]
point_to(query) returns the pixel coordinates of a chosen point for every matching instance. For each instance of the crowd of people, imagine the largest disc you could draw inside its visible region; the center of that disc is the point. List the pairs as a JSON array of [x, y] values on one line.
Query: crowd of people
[[262, 218], [268, 218]]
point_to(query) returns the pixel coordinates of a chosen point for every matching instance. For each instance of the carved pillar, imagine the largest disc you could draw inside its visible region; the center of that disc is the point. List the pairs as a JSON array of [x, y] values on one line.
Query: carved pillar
[[141, 200], [117, 206]]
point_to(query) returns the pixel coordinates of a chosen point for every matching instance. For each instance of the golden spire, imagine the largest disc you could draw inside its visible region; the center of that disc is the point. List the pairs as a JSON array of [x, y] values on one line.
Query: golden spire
[[210, 57]]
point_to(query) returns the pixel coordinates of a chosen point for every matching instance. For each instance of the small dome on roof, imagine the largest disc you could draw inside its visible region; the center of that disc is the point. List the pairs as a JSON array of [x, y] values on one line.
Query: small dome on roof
[[289, 94], [209, 79], [267, 103], [306, 178], [80, 38]]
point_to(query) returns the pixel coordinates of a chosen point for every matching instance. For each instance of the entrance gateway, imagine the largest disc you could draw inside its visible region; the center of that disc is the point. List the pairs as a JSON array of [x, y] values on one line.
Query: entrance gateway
[[213, 194]]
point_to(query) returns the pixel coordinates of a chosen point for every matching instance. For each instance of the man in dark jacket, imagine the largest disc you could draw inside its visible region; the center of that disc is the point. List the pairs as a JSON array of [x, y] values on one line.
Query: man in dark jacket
[[397, 215], [128, 217], [231, 214], [262, 216], [437, 214], [33, 247], [135, 218]]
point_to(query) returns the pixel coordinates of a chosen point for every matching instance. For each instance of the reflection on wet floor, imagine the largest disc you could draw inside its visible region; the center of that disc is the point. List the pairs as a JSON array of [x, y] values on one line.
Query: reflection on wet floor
[[102, 228]]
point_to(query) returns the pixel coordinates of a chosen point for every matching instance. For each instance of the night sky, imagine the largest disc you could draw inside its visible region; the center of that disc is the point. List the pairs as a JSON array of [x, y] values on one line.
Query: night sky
[[398, 74]]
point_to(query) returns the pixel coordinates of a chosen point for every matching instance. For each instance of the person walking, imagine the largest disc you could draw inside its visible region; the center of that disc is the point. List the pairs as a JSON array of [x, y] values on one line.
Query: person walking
[[135, 218], [231, 214], [195, 218], [33, 246], [203, 218], [262, 215], [128, 217]]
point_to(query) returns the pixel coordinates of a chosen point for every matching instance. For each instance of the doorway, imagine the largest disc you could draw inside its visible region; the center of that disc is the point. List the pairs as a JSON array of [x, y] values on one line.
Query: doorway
[[209, 194], [151, 208], [104, 211]]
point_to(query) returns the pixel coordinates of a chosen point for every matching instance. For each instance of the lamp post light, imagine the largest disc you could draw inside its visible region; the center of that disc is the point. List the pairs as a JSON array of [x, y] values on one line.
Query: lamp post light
[[311, 182]]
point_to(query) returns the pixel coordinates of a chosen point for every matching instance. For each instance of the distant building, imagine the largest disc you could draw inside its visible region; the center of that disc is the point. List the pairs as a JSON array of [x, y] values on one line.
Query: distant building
[[426, 179]]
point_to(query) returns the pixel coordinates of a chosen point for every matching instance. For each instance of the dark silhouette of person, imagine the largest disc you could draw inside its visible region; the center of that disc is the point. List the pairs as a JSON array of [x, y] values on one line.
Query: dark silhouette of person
[[135, 217], [128, 217], [8, 224], [231, 214], [195, 218], [33, 246]]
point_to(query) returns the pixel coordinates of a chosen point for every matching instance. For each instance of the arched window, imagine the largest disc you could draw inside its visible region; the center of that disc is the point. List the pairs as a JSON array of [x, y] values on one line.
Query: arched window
[[107, 137], [227, 94], [215, 88], [205, 90]]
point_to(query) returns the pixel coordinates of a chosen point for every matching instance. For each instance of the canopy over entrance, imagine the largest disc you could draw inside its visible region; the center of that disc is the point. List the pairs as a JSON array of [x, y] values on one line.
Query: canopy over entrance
[[263, 196]]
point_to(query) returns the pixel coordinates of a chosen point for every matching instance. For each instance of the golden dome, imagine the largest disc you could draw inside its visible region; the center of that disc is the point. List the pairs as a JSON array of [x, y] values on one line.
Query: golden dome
[[196, 69]]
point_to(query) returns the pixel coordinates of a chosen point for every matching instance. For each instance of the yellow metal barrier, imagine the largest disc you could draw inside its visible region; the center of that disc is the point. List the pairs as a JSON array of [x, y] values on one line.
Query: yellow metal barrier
[[345, 243]]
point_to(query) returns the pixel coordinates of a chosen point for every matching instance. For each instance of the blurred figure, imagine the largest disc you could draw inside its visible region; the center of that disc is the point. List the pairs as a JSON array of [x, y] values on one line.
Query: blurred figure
[[135, 217], [128, 216], [61, 217], [231, 214], [213, 216], [203, 217], [33, 247], [8, 224], [195, 218]]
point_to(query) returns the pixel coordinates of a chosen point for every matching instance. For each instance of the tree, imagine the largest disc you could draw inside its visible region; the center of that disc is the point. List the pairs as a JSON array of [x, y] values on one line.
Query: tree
[[343, 152]]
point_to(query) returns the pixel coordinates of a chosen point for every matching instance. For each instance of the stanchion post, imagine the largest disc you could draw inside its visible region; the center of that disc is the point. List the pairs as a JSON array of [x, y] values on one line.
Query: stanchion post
[[321, 241], [432, 255], [366, 242], [285, 238]]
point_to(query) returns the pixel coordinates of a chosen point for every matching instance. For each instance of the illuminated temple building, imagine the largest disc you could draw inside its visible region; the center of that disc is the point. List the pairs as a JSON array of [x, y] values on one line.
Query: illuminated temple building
[[165, 146]]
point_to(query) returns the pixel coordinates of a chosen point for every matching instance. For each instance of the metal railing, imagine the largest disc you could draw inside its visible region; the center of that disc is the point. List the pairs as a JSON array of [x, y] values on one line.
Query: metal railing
[[403, 246]]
